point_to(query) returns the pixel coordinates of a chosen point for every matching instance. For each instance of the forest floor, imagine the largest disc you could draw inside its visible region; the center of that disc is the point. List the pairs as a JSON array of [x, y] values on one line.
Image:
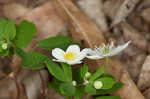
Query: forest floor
[[119, 21]]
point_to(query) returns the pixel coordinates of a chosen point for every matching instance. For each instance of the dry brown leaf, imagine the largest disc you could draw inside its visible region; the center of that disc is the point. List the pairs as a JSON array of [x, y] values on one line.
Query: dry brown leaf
[[86, 32], [144, 4], [144, 78], [125, 9], [137, 21], [111, 7], [47, 21], [33, 83], [14, 10], [133, 57], [145, 14], [94, 10], [137, 38], [6, 1], [8, 89], [147, 93]]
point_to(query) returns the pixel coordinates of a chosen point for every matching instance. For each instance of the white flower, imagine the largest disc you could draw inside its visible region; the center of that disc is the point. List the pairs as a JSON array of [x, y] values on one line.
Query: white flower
[[106, 50], [71, 56], [98, 84]]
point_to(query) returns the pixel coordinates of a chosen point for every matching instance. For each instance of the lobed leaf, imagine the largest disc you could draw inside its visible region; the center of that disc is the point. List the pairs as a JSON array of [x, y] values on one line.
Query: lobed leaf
[[67, 71], [115, 88], [55, 70], [9, 30], [97, 74], [84, 70], [90, 89], [25, 33], [67, 89], [32, 60], [55, 42], [108, 82], [108, 97]]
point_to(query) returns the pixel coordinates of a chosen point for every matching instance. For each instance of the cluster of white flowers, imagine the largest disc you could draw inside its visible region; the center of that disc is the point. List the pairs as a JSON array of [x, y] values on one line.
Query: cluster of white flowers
[[73, 55]]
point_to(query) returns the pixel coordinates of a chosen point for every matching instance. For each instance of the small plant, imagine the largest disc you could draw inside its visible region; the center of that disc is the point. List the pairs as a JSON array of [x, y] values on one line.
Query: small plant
[[72, 83]]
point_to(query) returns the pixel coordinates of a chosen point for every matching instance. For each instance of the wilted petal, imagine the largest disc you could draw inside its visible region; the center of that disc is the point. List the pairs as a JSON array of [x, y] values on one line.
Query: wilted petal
[[118, 49], [58, 54]]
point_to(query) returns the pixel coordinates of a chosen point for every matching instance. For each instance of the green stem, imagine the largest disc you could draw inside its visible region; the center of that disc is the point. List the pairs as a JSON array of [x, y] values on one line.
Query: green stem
[[107, 65]]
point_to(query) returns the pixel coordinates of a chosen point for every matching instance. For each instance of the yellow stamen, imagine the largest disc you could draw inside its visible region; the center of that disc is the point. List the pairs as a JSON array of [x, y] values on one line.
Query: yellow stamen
[[69, 56]]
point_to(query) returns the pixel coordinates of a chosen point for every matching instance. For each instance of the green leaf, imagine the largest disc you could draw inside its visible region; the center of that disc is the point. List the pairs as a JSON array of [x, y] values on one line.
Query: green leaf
[[108, 82], [97, 74], [84, 70], [108, 97], [33, 60], [90, 89], [36, 67], [25, 33], [56, 71], [54, 86], [67, 89], [77, 75], [3, 23], [67, 71], [10, 30], [79, 92], [20, 53], [115, 88], [5, 52], [55, 42]]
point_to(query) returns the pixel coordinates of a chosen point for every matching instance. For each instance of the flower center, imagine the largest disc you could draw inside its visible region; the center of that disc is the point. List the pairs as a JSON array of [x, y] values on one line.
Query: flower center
[[69, 56]]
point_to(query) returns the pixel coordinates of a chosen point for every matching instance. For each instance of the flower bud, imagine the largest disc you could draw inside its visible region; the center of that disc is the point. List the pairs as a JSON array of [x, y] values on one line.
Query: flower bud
[[4, 46], [74, 83], [86, 82], [87, 75], [98, 84]]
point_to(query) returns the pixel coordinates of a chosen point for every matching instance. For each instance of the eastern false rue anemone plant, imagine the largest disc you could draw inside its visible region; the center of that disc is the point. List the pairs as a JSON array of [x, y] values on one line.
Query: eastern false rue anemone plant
[[83, 82], [70, 78]]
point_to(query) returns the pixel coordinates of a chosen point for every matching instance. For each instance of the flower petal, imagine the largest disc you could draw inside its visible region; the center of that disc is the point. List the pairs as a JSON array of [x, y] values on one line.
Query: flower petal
[[58, 60], [82, 54], [95, 57], [73, 48], [119, 49], [74, 62], [93, 54], [58, 54], [79, 57], [111, 46]]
